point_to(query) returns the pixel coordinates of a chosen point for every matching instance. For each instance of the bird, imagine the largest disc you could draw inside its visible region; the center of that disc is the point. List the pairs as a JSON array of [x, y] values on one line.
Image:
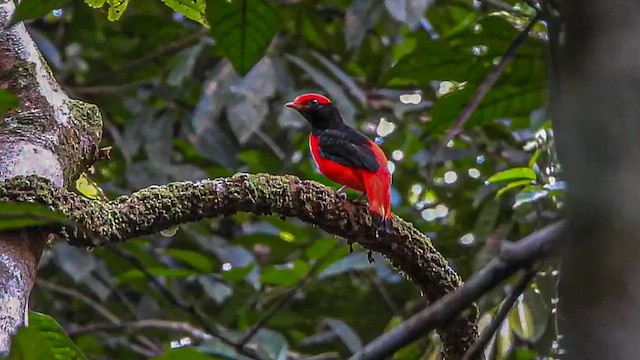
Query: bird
[[346, 156]]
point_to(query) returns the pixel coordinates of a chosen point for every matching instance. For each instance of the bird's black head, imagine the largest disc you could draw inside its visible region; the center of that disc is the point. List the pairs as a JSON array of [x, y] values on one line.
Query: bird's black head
[[318, 110]]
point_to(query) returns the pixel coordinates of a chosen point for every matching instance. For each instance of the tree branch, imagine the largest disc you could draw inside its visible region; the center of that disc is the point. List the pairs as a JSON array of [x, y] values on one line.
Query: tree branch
[[521, 255], [159, 207]]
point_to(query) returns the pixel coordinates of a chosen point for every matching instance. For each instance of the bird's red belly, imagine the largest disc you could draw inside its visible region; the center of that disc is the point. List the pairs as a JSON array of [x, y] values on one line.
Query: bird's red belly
[[336, 172]]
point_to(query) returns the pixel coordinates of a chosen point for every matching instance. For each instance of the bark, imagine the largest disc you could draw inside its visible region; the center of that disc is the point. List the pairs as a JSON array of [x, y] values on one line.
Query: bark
[[49, 135], [597, 132]]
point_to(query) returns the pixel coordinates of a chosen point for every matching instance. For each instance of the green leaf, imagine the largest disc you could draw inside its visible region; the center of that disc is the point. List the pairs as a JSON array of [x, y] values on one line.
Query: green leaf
[[511, 186], [22, 346], [486, 221], [43, 339], [17, 215], [32, 9], [286, 275], [194, 259], [513, 174], [7, 101], [192, 9], [500, 102], [242, 29], [116, 7], [235, 274], [527, 197], [320, 248]]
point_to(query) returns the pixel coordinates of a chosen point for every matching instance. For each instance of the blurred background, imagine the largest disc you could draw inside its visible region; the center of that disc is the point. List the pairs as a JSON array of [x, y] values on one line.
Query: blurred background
[[181, 104]]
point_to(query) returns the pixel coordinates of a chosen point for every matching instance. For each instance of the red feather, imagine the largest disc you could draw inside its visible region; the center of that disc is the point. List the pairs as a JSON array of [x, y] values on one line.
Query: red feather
[[377, 185]]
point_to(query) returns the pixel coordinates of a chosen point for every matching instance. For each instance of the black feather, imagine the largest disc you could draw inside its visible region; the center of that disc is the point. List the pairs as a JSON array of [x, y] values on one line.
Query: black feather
[[348, 147]]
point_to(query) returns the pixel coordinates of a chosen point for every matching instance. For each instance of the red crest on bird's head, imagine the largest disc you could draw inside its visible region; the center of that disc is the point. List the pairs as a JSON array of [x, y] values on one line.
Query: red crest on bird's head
[[306, 98]]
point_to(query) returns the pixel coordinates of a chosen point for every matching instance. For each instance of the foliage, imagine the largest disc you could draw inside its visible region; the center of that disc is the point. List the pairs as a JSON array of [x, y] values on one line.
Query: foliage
[[184, 104]]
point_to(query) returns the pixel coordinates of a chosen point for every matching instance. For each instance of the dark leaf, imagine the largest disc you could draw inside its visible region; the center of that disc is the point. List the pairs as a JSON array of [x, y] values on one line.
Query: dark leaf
[[7, 101], [17, 215], [242, 29]]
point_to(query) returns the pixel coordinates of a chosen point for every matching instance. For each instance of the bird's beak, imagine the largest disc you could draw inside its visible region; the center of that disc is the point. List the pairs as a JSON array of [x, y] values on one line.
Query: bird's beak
[[292, 105]]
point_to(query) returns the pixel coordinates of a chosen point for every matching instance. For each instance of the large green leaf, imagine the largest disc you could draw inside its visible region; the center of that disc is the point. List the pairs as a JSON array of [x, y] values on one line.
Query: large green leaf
[[285, 275], [500, 102], [44, 339], [468, 56], [17, 215], [192, 9], [7, 101], [242, 29]]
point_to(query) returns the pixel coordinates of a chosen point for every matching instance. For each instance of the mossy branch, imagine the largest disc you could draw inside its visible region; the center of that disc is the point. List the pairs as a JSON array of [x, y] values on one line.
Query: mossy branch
[[159, 207]]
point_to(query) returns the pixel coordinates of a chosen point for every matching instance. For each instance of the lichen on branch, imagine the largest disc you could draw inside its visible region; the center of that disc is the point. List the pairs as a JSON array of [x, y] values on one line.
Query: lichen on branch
[[157, 208]]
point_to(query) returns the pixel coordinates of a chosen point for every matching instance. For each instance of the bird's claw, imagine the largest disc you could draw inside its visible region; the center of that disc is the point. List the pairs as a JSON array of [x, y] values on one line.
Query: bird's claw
[[370, 257]]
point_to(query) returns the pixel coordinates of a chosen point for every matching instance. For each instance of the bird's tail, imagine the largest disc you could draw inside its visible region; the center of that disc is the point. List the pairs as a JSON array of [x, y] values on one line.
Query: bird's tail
[[378, 187]]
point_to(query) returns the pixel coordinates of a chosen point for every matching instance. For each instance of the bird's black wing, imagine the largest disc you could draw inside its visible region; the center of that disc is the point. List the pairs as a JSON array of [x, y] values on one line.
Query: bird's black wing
[[347, 147]]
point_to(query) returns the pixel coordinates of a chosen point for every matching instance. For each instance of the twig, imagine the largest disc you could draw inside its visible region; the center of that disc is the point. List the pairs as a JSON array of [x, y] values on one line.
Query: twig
[[143, 324], [284, 299], [170, 49], [476, 349], [518, 256], [187, 308], [82, 297], [483, 89]]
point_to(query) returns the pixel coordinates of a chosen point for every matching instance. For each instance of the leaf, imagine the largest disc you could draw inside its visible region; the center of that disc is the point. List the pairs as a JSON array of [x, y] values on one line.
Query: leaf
[[185, 64], [528, 318], [500, 102], [345, 78], [116, 9], [284, 275], [242, 29], [17, 215], [513, 174], [215, 289], [320, 248], [346, 334], [359, 18], [192, 9], [7, 101], [89, 188], [527, 197], [354, 261], [78, 264], [248, 110], [511, 186], [407, 11], [235, 274], [43, 339], [194, 259], [33, 9], [22, 346]]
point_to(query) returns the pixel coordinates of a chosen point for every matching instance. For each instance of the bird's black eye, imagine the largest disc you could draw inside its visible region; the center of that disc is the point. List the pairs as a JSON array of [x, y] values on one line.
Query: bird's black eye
[[313, 102]]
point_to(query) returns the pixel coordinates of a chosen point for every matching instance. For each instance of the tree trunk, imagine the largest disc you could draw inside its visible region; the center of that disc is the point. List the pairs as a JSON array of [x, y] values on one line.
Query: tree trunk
[[597, 134], [48, 135]]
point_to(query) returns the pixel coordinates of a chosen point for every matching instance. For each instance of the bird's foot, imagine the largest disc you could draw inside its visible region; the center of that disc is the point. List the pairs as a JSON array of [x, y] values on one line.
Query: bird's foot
[[370, 257]]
